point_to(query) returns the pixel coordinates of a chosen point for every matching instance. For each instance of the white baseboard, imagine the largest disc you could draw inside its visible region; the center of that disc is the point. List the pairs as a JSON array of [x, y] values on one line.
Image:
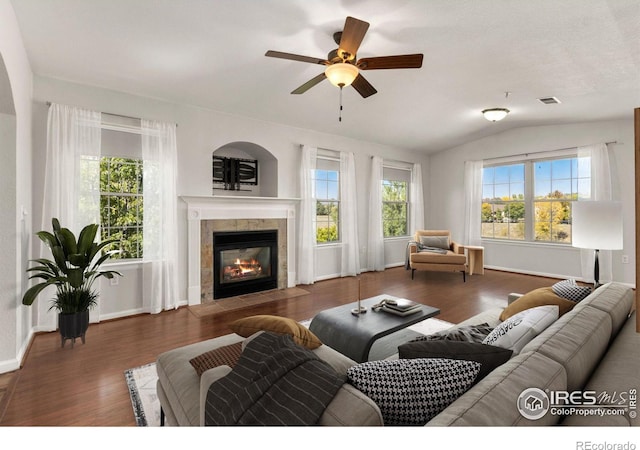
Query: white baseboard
[[9, 365]]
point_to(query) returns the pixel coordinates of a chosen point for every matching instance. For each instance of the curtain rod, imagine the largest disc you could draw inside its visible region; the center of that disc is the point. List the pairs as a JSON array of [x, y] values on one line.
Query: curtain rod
[[117, 115], [390, 162], [540, 152]]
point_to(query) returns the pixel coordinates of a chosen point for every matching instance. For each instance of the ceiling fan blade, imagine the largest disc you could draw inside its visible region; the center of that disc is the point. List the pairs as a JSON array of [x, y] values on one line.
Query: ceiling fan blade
[[309, 84], [352, 35], [391, 62], [364, 88], [292, 57]]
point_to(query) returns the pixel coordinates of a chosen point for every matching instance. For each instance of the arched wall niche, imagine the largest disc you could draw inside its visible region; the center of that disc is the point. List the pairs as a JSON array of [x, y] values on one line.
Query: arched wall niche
[[267, 168]]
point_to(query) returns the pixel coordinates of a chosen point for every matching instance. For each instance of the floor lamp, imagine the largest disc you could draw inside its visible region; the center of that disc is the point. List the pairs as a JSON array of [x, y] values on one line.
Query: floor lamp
[[596, 225]]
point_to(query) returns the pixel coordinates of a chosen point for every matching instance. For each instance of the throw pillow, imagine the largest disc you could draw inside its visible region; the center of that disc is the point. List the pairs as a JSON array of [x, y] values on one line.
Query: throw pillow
[[466, 333], [570, 290], [537, 297], [227, 355], [489, 356], [281, 325], [413, 391], [515, 332], [435, 241]]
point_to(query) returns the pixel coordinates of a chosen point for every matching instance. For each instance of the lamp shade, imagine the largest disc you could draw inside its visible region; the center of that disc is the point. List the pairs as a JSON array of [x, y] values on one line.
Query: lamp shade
[[341, 74], [596, 225], [495, 114]]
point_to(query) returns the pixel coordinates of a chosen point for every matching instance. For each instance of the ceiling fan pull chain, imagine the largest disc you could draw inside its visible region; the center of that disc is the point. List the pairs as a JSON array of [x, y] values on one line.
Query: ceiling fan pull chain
[[340, 116]]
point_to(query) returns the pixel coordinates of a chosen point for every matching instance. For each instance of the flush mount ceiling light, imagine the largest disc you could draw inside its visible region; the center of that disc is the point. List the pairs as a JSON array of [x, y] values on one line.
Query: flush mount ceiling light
[[341, 74], [495, 114]]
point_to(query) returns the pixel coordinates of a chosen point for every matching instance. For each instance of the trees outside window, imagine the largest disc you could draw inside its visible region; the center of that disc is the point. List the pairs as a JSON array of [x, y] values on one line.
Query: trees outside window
[[532, 200], [503, 197], [394, 208], [121, 204], [327, 187]]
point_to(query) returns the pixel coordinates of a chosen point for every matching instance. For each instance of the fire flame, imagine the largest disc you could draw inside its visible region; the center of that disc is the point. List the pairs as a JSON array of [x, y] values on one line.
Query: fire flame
[[250, 266]]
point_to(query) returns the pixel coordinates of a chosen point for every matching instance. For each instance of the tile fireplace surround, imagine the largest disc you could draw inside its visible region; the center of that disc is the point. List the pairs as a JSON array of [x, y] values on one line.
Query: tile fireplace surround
[[205, 215]]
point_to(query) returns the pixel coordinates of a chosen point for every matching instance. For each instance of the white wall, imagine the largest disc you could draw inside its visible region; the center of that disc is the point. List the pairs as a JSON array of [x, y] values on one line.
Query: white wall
[[447, 193], [15, 319], [200, 132]]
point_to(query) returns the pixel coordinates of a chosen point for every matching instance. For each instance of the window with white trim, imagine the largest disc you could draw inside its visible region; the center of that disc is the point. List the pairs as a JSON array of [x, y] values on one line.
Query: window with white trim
[[531, 200], [121, 196], [395, 201], [326, 179]]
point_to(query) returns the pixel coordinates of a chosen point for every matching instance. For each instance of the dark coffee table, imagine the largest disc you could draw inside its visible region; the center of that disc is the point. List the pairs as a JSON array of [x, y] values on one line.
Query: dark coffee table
[[352, 335]]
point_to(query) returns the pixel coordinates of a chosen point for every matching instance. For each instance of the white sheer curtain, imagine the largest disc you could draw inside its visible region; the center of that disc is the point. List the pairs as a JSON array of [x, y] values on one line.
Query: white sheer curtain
[[601, 190], [416, 199], [349, 216], [160, 227], [472, 202], [71, 179], [375, 255], [306, 222]]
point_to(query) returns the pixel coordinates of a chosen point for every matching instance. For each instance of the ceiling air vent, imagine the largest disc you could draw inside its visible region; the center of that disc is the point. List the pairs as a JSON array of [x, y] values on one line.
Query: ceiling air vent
[[549, 100]]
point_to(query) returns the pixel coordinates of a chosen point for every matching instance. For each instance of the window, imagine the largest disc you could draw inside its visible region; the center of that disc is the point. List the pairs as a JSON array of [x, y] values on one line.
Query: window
[[503, 207], [395, 203], [121, 196], [531, 200], [327, 188], [121, 205], [557, 184]]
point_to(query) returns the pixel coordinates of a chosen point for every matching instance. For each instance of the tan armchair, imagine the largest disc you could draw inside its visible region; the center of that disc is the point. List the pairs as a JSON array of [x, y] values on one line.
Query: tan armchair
[[437, 253]]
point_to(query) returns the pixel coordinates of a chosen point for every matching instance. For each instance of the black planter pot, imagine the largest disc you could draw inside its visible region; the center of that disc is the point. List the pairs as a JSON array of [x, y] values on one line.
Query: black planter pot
[[73, 326]]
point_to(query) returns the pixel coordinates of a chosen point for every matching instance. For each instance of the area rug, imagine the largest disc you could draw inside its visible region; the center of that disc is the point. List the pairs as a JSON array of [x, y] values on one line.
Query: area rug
[[142, 380]]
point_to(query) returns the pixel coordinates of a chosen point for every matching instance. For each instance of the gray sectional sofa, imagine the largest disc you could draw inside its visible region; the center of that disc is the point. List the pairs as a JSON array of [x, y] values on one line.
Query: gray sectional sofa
[[594, 348]]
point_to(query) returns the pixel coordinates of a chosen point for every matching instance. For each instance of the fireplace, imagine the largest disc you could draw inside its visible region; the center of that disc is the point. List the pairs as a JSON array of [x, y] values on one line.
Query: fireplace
[[244, 262]]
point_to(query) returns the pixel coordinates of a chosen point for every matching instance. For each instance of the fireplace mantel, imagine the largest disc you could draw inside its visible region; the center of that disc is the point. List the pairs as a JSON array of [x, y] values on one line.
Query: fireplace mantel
[[227, 207]]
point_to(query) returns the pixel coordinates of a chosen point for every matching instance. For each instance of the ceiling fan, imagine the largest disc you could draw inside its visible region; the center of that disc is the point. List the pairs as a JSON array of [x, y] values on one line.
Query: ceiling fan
[[343, 68]]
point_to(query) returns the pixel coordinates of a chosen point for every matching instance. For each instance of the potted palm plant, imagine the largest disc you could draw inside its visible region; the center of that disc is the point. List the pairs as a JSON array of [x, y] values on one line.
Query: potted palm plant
[[73, 270]]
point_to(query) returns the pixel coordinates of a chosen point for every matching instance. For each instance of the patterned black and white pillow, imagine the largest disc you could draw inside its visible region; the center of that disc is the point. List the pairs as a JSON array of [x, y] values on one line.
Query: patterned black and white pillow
[[464, 333], [570, 290], [413, 391]]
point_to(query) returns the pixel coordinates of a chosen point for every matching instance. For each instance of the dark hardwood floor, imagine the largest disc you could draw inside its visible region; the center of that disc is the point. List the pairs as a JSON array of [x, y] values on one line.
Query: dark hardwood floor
[[85, 386]]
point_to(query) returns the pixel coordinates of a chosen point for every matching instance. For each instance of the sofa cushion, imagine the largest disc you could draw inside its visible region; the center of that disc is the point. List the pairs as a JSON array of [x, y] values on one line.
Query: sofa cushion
[[537, 297], [412, 391], [615, 299], [430, 257], [519, 329], [350, 407], [281, 325], [577, 341], [226, 355], [494, 400], [466, 333], [615, 374], [180, 383], [489, 356], [570, 290]]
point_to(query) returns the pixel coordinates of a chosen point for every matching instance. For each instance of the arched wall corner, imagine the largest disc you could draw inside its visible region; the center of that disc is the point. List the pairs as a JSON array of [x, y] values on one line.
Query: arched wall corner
[[267, 168], [11, 275]]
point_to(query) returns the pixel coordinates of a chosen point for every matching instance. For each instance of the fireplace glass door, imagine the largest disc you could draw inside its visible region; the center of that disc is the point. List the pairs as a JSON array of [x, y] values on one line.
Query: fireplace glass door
[[245, 264]]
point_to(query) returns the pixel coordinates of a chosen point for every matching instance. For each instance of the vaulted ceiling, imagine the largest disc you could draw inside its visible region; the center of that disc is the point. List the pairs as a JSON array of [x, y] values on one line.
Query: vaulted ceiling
[[210, 53]]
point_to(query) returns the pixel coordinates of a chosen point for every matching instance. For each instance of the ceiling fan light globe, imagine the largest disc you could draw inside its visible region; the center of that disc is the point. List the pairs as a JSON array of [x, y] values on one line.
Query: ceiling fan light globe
[[495, 114], [341, 74]]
